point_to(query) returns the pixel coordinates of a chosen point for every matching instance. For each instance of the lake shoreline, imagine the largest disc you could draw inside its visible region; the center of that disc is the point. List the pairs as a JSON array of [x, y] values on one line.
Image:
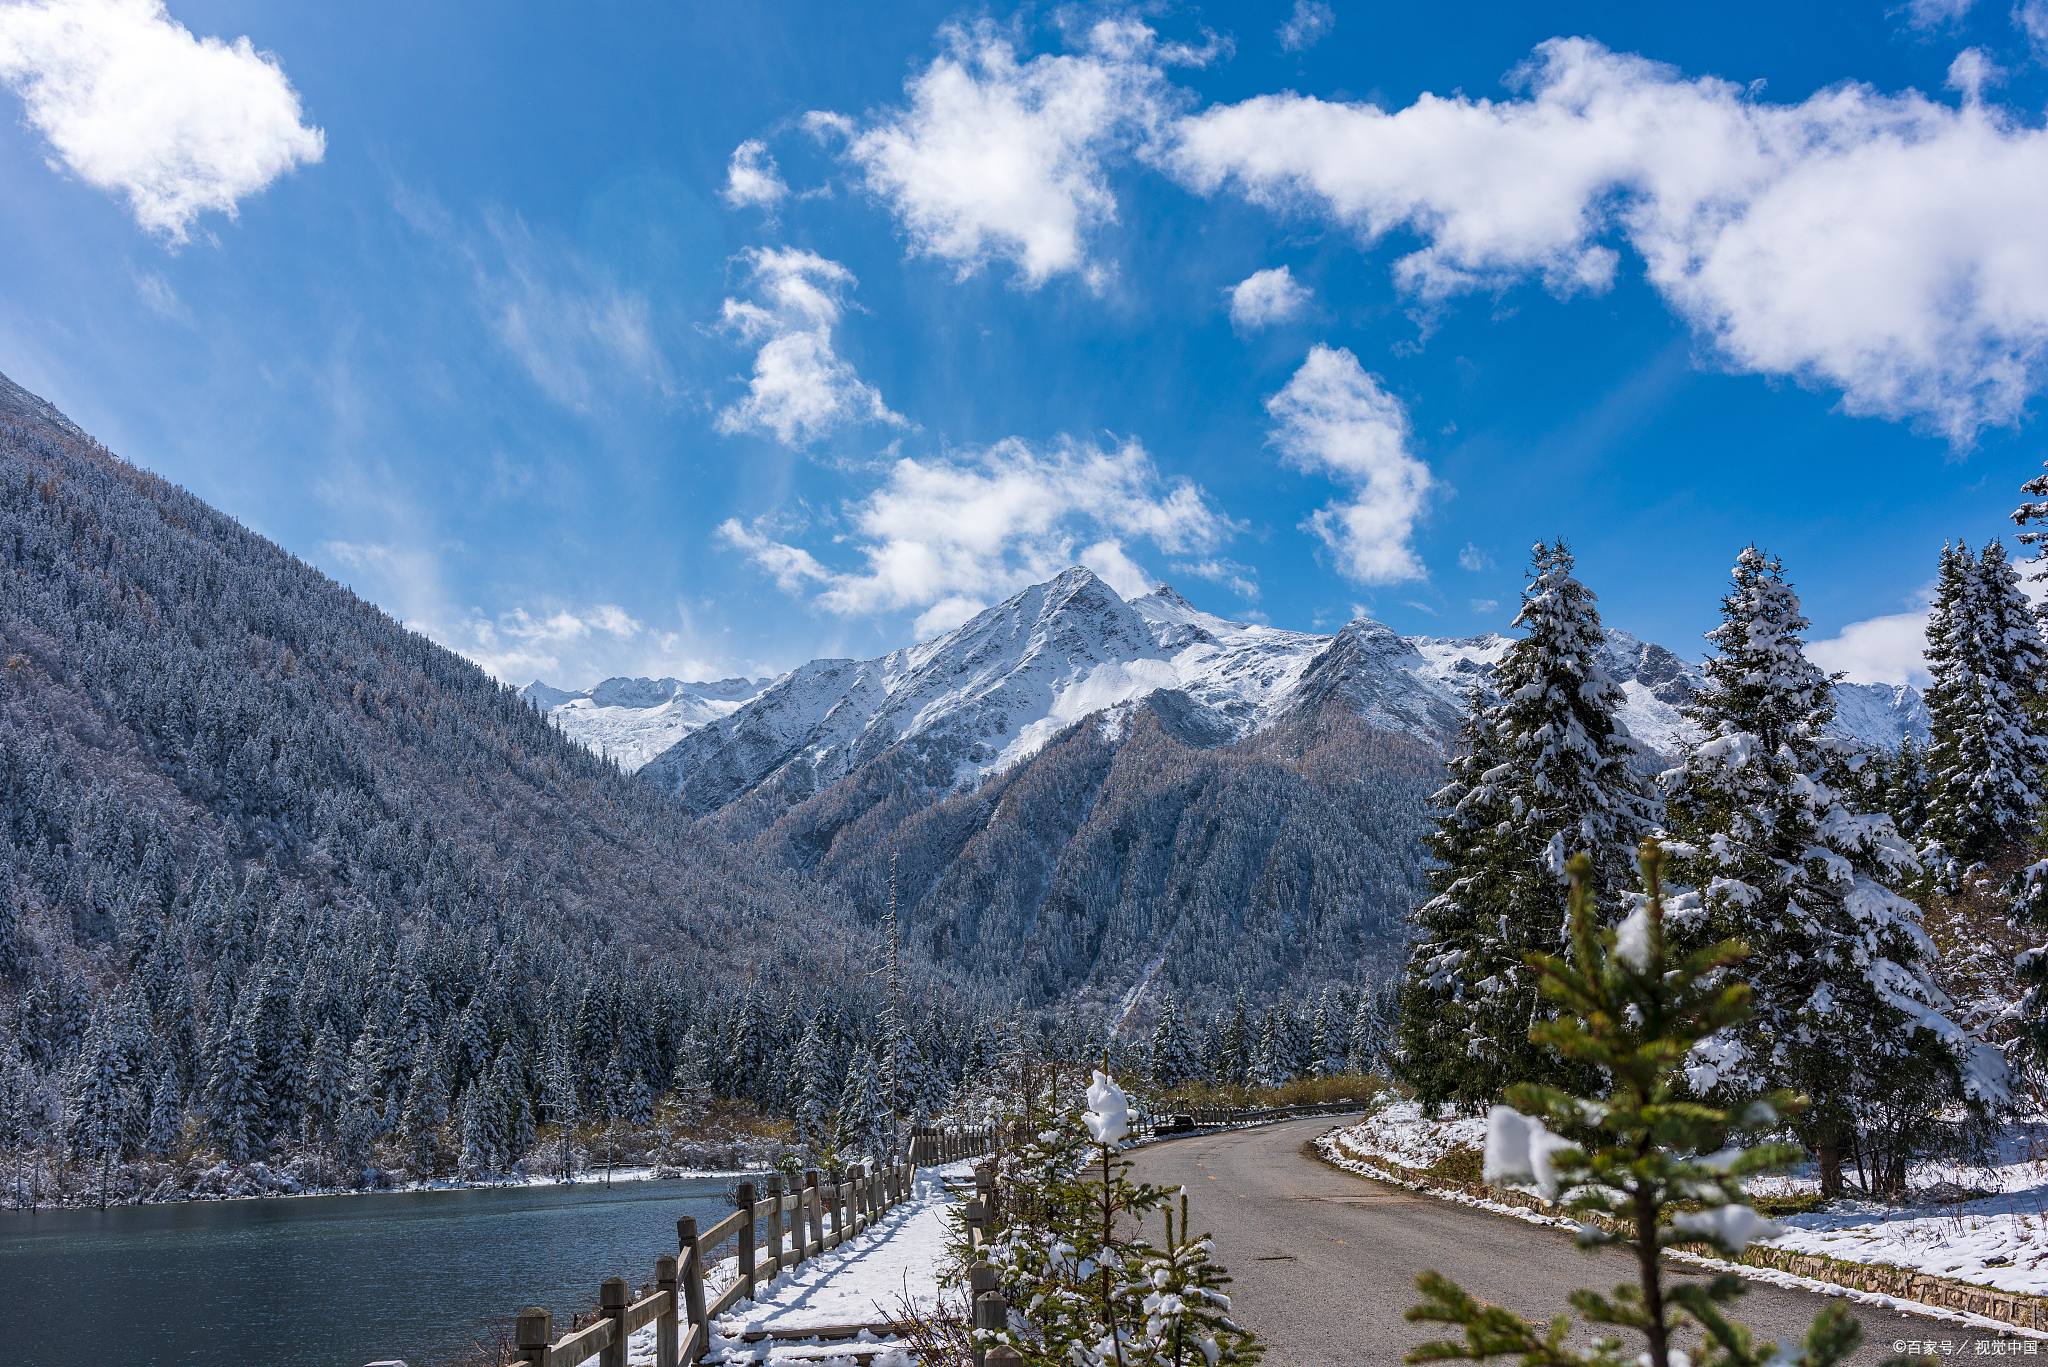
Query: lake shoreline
[[642, 1174]]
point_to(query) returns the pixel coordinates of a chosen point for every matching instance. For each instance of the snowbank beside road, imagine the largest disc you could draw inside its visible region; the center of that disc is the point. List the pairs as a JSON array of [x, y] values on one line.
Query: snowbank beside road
[[1987, 1226]]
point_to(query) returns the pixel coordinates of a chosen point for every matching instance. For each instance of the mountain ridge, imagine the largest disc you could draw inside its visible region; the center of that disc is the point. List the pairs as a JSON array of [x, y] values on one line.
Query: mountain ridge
[[1075, 647]]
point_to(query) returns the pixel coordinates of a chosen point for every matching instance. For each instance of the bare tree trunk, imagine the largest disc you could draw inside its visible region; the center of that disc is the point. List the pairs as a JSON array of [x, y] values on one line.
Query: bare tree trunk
[[1827, 1155]]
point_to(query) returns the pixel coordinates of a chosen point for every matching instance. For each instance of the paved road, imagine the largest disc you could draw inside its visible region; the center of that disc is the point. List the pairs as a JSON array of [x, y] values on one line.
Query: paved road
[[1323, 1263]]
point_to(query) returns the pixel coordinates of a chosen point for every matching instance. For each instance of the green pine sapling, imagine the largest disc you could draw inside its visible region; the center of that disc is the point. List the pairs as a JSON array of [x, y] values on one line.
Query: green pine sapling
[[1632, 1008]]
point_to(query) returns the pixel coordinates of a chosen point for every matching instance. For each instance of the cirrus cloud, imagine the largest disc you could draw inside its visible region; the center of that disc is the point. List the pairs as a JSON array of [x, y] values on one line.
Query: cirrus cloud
[[132, 103]]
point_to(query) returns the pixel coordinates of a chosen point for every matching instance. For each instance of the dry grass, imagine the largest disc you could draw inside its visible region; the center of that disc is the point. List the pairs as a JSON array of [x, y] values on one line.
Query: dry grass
[[1303, 1091]]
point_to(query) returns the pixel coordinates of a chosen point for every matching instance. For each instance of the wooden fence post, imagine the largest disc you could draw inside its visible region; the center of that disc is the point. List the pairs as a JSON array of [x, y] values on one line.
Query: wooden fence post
[[838, 1176], [1003, 1355], [693, 1283], [814, 1213], [668, 1335], [611, 1298], [534, 1331], [747, 1237], [985, 1188], [775, 1225], [981, 1279]]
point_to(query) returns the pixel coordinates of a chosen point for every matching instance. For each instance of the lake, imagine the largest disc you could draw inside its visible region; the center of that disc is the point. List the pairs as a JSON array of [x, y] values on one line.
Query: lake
[[325, 1281]]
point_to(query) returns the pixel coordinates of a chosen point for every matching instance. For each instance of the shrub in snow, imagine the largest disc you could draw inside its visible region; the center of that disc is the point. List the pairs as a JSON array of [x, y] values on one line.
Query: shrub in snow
[[1086, 1287], [1547, 770], [1764, 831], [1624, 1158]]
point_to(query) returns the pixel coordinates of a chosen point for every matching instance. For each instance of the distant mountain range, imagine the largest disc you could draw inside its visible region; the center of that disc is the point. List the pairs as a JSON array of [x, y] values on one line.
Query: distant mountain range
[[992, 691]]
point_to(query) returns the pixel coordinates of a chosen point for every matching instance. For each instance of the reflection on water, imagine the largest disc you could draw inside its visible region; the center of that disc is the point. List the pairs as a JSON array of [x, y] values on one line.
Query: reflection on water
[[323, 1281]]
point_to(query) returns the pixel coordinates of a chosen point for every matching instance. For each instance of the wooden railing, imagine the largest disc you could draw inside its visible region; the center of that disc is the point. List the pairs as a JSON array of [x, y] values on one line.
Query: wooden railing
[[823, 1211], [931, 1145]]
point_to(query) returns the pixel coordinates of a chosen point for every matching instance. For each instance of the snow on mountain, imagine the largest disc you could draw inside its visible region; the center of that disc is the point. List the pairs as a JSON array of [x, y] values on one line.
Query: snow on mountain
[[633, 720], [994, 690]]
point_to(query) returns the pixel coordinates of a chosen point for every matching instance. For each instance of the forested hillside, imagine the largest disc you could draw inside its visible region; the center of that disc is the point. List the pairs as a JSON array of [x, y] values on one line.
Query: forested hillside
[[1133, 844], [273, 868]]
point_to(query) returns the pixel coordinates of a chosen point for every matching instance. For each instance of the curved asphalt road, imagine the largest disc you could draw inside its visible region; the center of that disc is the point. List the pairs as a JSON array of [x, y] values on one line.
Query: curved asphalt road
[[1323, 1263]]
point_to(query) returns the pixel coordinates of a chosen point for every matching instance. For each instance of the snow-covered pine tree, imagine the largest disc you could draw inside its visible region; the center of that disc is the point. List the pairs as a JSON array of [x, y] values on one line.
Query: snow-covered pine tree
[[1544, 771], [1905, 789], [1269, 1055], [1988, 749], [426, 1107], [234, 1097], [101, 1097], [1175, 1057], [1320, 1047], [1366, 1044], [1777, 860]]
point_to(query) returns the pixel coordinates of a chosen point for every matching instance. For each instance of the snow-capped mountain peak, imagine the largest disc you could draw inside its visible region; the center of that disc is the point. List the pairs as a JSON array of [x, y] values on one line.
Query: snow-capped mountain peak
[[633, 720], [993, 690]]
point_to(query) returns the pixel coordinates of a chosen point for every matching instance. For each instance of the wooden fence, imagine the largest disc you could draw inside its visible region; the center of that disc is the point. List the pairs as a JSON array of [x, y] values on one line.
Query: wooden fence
[[931, 1145], [821, 1214]]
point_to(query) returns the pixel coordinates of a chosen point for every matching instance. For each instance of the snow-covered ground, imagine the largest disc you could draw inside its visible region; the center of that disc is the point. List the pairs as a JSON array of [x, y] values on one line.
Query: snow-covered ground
[[864, 1281], [1985, 1225]]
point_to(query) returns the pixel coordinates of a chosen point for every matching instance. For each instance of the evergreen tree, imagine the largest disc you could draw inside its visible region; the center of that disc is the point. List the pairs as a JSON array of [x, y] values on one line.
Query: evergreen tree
[[1366, 1043], [1175, 1060], [1905, 789], [100, 1097], [326, 1084], [426, 1108], [166, 1125], [1545, 772], [1777, 860], [234, 1102], [1988, 746]]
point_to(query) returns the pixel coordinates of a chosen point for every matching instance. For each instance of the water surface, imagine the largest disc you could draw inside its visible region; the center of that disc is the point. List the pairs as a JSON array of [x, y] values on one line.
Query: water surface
[[324, 1281]]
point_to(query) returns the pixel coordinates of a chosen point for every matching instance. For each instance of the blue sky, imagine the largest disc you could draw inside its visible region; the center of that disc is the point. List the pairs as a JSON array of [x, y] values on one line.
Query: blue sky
[[702, 340]]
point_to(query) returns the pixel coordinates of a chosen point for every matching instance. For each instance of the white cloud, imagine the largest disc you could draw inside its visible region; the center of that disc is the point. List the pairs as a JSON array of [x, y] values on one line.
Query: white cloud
[[949, 537], [571, 329], [564, 643], [1312, 19], [1936, 13], [1242, 580], [1884, 245], [1335, 419], [133, 103], [2031, 18], [801, 388], [996, 159], [1485, 605], [1474, 559], [1266, 297], [752, 177], [1878, 650]]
